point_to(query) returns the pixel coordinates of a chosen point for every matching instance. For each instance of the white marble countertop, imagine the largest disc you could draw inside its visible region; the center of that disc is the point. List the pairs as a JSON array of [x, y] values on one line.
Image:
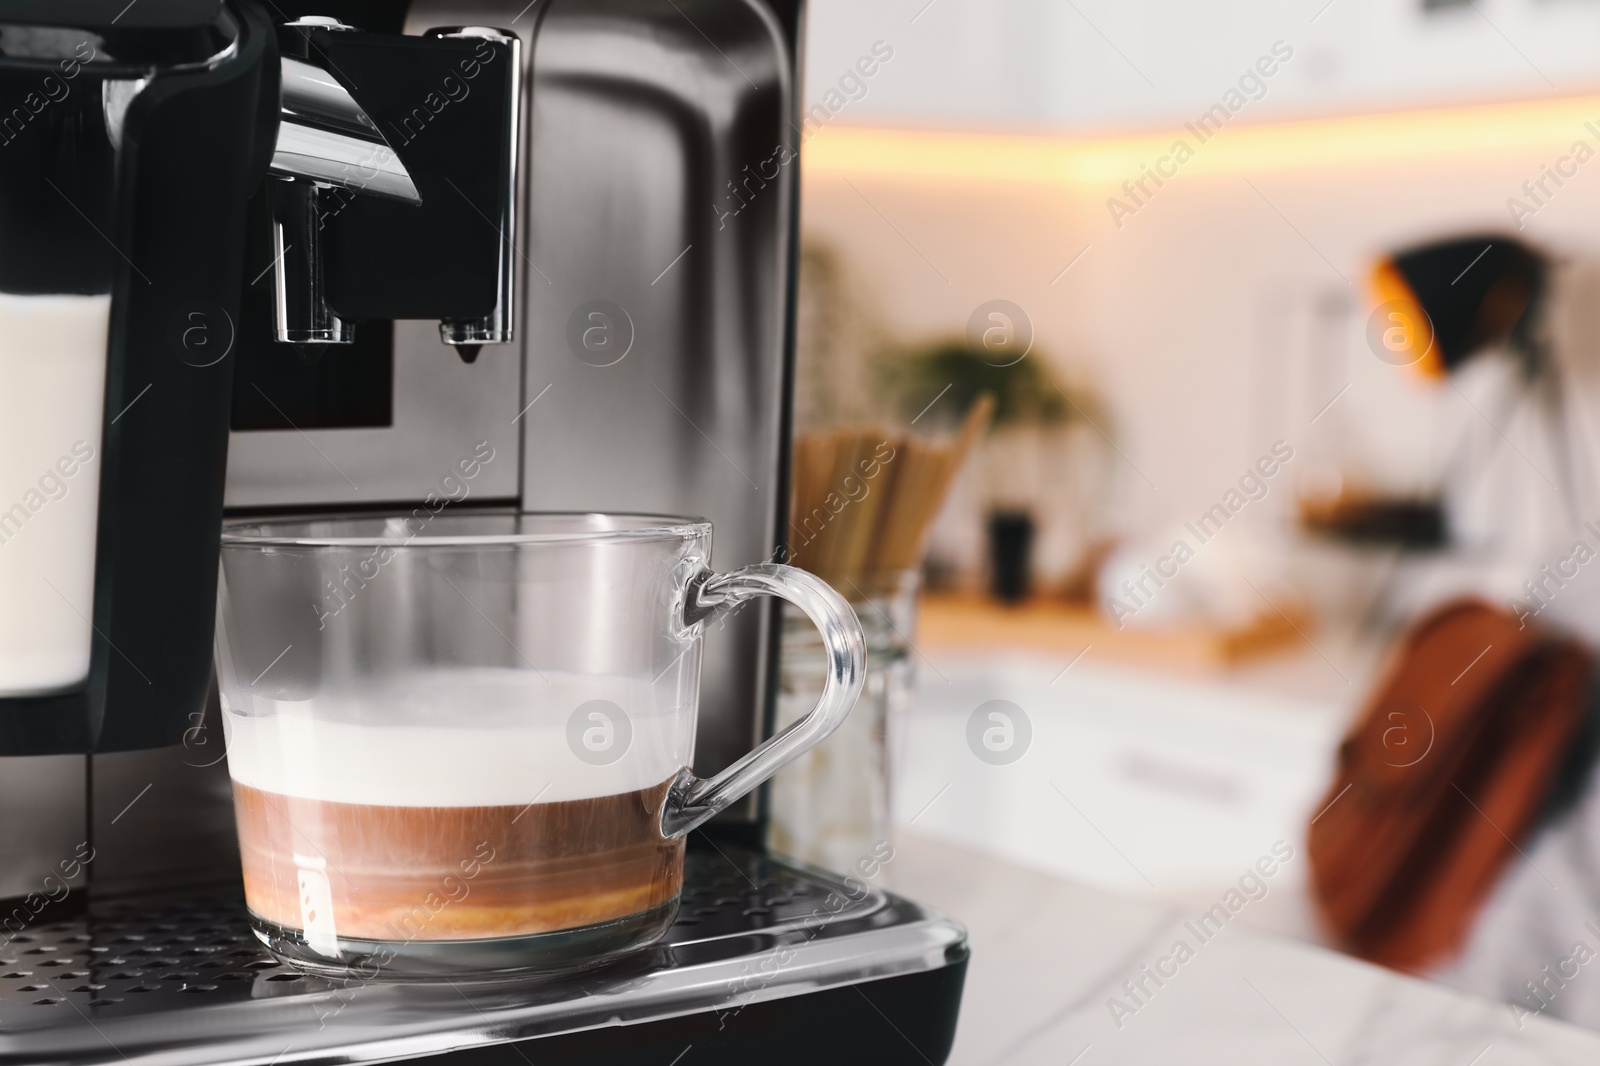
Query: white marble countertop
[[1049, 954]]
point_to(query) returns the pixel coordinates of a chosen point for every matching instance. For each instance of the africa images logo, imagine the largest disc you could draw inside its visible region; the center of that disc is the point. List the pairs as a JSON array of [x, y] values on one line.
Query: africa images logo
[[999, 732], [599, 732]]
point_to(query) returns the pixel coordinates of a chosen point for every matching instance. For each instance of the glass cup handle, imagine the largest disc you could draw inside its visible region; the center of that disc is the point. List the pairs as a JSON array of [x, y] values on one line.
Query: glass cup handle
[[691, 800]]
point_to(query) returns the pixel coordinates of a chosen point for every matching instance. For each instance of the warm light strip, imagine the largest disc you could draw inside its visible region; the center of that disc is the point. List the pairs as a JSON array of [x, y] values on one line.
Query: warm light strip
[[1550, 126]]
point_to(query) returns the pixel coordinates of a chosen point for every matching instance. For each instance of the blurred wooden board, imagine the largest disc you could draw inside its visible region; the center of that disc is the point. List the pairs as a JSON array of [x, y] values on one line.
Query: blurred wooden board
[[957, 621]]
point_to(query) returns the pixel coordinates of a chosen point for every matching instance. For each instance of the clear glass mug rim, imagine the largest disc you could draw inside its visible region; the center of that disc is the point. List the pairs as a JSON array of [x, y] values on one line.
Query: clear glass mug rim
[[277, 532]]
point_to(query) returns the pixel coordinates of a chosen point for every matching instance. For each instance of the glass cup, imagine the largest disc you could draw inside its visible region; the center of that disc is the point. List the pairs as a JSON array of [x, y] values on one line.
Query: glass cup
[[460, 744]]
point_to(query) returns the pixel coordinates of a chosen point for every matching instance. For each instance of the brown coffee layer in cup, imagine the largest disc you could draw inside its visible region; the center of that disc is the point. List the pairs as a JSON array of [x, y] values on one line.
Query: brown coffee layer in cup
[[454, 873]]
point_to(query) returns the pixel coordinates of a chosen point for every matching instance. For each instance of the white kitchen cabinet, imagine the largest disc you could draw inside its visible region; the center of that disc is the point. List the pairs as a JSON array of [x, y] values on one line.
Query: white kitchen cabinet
[[1087, 64], [1127, 780]]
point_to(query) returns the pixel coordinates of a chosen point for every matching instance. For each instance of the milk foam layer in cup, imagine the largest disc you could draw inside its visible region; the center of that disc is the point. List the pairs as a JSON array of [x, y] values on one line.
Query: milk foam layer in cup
[[52, 392], [459, 738]]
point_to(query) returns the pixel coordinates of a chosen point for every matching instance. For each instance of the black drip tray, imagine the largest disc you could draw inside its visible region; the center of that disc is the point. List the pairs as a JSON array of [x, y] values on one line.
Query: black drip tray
[[181, 981]]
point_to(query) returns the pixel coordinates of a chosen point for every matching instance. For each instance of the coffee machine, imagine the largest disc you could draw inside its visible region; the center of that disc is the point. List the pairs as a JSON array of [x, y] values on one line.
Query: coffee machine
[[263, 257]]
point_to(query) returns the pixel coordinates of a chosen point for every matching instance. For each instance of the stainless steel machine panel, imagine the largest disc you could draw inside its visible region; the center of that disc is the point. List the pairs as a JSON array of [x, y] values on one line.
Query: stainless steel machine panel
[[45, 799], [660, 192], [442, 407]]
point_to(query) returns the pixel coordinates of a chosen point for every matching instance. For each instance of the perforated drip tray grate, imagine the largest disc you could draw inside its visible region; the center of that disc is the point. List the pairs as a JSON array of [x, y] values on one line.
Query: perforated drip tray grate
[[185, 981], [126, 955]]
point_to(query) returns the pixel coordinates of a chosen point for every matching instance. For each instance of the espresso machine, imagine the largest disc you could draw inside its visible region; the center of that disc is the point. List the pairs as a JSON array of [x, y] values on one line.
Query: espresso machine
[[283, 257]]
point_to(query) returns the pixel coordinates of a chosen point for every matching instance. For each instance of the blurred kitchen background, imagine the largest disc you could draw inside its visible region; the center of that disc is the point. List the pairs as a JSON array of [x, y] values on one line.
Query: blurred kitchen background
[[1006, 255]]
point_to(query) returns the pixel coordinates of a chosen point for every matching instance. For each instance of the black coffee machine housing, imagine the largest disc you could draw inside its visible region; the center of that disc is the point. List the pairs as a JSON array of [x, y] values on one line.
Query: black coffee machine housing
[[157, 221], [313, 180], [160, 221]]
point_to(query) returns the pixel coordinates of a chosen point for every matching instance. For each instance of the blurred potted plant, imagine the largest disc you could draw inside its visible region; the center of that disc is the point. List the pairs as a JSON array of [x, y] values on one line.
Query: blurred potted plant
[[1041, 464]]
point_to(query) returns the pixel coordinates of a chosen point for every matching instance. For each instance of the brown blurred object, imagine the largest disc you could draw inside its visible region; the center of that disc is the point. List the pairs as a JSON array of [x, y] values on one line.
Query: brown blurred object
[[864, 499], [1361, 518], [1068, 628], [1447, 770]]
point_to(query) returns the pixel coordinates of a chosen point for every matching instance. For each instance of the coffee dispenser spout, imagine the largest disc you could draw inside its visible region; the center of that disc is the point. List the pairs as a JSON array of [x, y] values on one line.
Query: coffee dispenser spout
[[332, 162], [328, 150], [326, 138], [496, 326]]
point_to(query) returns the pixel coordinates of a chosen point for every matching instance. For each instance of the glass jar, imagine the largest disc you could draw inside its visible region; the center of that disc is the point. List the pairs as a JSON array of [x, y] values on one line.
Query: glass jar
[[831, 805]]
